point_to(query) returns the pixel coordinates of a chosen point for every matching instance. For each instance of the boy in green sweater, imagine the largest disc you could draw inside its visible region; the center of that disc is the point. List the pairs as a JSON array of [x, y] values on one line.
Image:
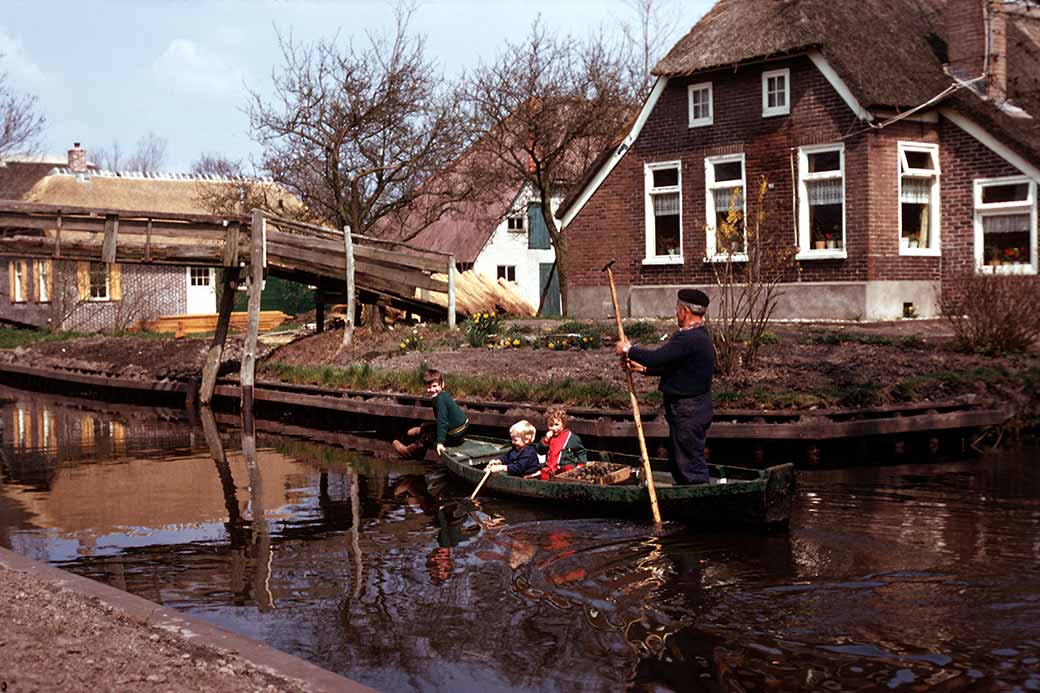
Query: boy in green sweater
[[447, 431]]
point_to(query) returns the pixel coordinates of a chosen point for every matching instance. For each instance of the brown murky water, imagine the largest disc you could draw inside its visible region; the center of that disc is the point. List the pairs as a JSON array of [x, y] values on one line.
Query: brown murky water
[[911, 577]]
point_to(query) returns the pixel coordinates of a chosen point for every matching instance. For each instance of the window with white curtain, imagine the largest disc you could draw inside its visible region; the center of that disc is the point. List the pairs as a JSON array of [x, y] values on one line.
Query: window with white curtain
[[700, 104], [663, 205], [1005, 225], [725, 207], [918, 199], [821, 195]]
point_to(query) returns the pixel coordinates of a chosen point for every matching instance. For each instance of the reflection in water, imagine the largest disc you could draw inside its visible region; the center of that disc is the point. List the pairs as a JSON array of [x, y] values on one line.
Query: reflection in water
[[923, 577]]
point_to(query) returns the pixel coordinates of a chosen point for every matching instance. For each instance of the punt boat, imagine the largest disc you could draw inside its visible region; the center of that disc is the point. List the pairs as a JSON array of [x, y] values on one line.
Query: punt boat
[[734, 494]]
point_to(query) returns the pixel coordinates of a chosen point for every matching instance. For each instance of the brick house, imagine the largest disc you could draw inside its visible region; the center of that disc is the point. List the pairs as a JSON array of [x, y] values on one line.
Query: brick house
[[87, 296], [898, 139]]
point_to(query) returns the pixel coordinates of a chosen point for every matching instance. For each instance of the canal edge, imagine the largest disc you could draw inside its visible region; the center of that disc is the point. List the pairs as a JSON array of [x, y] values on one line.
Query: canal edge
[[188, 628]]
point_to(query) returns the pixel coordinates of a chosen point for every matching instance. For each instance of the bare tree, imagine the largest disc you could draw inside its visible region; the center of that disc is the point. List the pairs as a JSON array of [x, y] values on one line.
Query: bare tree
[[360, 134], [147, 157], [64, 298], [548, 106], [20, 124], [647, 37], [225, 187]]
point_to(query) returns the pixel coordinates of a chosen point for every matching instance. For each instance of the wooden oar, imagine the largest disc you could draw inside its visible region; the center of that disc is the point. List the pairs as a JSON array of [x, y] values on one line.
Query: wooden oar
[[481, 484], [647, 472]]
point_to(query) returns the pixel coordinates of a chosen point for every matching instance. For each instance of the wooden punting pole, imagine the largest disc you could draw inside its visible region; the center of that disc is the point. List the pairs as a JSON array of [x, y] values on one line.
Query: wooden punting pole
[[348, 322], [451, 292], [255, 283]]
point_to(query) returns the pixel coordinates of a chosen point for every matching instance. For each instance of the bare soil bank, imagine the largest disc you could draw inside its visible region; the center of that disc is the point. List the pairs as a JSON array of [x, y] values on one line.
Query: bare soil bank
[[804, 366], [52, 639]]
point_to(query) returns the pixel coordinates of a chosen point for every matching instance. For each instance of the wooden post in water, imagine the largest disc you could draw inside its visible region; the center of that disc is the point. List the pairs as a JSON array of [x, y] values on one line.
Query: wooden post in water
[[348, 322], [451, 292], [247, 376], [216, 346]]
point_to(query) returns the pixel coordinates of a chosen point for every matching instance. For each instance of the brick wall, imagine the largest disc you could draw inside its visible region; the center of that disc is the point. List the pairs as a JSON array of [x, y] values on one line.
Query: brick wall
[[612, 223]]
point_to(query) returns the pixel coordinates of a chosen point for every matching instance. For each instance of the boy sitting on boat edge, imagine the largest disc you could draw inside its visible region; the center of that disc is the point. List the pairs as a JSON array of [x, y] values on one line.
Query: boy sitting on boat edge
[[449, 429]]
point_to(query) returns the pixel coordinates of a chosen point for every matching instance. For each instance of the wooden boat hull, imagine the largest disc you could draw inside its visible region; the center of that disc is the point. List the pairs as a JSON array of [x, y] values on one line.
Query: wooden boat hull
[[749, 496]]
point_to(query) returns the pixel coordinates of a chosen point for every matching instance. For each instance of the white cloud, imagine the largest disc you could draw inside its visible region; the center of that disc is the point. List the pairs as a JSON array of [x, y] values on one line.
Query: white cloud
[[193, 68], [16, 62]]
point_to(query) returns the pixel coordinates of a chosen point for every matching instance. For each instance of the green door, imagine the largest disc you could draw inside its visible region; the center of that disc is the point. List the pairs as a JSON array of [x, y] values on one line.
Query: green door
[[551, 306]]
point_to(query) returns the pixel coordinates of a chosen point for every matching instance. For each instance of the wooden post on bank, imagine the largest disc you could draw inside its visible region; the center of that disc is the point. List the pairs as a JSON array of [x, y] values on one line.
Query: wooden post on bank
[[451, 292], [216, 347], [348, 321], [247, 376]]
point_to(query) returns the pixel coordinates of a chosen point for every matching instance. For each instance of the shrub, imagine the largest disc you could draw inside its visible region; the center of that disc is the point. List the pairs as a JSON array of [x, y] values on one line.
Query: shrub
[[480, 326], [642, 331], [992, 313], [412, 343]]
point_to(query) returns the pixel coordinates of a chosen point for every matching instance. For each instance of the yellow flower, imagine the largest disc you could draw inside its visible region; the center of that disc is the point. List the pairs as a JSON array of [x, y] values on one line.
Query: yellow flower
[[552, 345], [516, 342], [404, 345]]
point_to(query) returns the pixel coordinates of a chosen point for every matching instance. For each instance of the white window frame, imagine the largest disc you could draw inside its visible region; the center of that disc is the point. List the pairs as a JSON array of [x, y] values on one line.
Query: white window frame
[[44, 270], [193, 271], [511, 218], [651, 258], [981, 210], [90, 283], [502, 272], [767, 111], [805, 250], [20, 269], [711, 253], [934, 212], [703, 120]]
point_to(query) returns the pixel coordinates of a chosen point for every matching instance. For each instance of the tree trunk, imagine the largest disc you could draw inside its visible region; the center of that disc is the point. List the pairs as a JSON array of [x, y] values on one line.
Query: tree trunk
[[559, 244]]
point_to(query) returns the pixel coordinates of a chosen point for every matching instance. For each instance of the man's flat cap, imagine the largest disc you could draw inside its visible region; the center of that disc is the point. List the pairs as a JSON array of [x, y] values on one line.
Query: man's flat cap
[[694, 297]]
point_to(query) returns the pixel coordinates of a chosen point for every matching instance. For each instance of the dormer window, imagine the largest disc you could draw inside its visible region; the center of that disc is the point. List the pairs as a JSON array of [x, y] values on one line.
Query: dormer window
[[700, 104], [776, 93]]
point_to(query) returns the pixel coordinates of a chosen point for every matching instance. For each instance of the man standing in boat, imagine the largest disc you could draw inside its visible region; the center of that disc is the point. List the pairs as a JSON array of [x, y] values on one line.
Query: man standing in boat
[[685, 363]]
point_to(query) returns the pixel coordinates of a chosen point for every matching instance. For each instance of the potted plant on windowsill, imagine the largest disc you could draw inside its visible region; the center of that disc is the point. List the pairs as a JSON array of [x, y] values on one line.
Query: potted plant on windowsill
[[830, 240], [820, 243]]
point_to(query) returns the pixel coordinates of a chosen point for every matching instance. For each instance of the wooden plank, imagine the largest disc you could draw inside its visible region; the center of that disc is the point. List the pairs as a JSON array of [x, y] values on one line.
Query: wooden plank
[[12, 206], [349, 278], [148, 242], [216, 347], [231, 244], [166, 228], [247, 373], [108, 245], [429, 264], [334, 267], [57, 238]]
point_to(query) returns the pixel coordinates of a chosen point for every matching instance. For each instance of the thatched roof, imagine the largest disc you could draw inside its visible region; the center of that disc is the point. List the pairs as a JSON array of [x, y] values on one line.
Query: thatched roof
[[879, 47]]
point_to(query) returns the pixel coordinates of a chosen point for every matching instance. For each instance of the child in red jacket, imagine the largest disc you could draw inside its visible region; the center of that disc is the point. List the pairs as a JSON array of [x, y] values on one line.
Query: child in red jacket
[[562, 447]]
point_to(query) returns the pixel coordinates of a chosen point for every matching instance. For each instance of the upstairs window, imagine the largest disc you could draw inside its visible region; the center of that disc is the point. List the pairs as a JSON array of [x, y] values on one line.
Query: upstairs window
[[821, 197], [1005, 225], [776, 93], [463, 266], [700, 104], [918, 199], [507, 272], [515, 223], [538, 237], [725, 207], [663, 205]]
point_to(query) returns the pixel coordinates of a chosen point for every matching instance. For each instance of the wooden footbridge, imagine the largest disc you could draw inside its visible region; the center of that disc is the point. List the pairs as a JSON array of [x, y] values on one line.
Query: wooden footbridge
[[344, 267]]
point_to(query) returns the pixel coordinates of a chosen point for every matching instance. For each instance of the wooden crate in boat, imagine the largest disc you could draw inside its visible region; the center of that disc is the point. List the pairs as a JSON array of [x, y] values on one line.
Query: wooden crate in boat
[[598, 473]]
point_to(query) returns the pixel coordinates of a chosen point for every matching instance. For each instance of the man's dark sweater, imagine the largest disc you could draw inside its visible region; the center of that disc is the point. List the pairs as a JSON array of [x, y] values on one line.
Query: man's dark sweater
[[685, 363]]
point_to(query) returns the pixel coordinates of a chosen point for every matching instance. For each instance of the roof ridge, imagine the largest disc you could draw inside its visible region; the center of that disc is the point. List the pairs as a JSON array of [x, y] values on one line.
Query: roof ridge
[[163, 175]]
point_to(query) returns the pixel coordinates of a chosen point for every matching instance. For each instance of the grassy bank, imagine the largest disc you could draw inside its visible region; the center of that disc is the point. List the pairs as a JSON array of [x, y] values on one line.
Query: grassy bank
[[578, 393]]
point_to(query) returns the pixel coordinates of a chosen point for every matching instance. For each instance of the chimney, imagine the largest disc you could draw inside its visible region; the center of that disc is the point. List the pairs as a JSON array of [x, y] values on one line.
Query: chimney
[[976, 37], [77, 159]]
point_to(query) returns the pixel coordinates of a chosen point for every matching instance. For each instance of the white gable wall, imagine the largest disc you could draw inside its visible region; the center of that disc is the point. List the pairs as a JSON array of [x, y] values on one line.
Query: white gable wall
[[507, 247]]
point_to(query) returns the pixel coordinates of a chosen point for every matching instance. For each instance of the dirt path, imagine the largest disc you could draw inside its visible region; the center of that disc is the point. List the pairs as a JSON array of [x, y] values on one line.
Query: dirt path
[[55, 638]]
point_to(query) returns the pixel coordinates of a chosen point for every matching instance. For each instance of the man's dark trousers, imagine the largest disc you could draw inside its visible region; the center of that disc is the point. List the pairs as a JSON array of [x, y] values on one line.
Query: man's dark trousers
[[688, 421]]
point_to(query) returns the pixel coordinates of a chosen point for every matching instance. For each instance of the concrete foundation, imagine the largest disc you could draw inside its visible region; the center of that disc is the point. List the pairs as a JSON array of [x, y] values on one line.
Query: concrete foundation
[[875, 300]]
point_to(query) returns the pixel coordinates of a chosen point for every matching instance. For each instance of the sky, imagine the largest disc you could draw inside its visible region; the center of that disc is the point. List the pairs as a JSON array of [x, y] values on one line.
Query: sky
[[115, 70]]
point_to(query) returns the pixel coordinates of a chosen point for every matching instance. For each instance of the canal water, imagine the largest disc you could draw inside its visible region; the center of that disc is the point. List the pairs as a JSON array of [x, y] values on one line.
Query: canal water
[[912, 577]]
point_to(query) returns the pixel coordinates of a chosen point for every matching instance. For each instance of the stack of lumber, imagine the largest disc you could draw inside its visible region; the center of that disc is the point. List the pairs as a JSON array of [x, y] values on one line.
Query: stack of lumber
[[475, 293], [207, 322]]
